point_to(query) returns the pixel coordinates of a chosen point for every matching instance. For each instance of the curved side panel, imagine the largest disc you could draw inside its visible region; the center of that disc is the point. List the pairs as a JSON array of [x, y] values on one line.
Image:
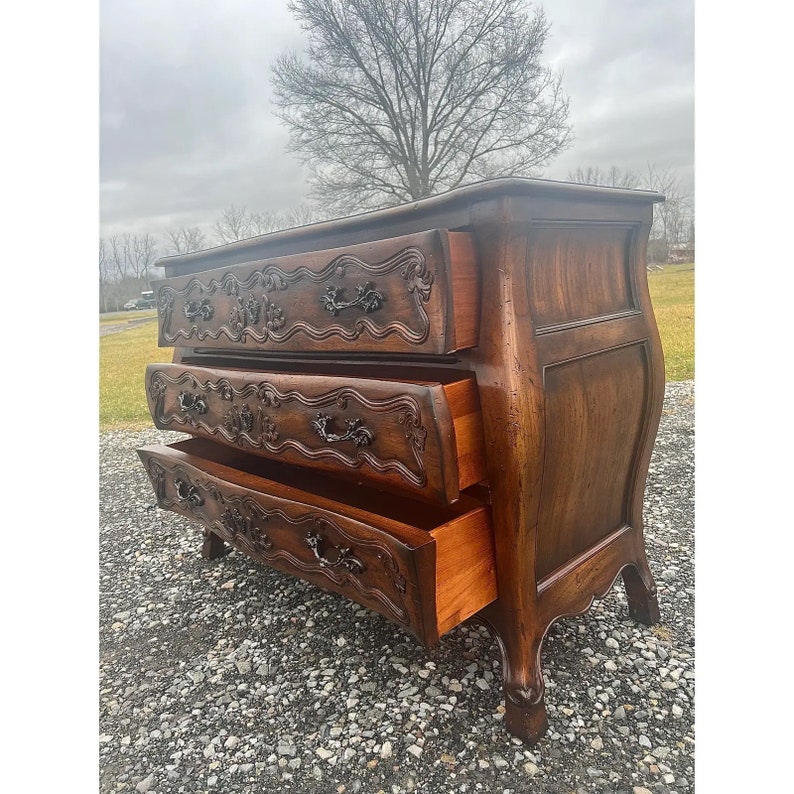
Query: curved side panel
[[595, 416]]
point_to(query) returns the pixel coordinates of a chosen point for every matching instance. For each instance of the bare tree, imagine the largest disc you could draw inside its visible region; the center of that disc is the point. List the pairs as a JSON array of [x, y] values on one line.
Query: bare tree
[[612, 177], [300, 216], [126, 262], [234, 224], [132, 256], [118, 259], [185, 240], [114, 270], [673, 220], [143, 255], [237, 223], [266, 222], [105, 275], [402, 99]]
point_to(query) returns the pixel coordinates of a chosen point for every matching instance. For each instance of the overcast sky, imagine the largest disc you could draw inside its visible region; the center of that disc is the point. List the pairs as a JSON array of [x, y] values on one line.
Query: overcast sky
[[186, 122]]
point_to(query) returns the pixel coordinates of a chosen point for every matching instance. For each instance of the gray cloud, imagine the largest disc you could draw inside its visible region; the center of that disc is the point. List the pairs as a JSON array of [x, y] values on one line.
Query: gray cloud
[[186, 123], [629, 72]]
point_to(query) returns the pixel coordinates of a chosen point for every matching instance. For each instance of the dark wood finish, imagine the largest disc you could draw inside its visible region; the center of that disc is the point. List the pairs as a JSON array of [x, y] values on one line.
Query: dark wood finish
[[570, 376], [420, 438], [585, 389], [213, 547], [387, 565], [389, 296], [587, 453], [578, 271]]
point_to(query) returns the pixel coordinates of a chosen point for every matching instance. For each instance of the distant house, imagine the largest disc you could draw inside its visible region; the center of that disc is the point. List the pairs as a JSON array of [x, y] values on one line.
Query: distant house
[[682, 252]]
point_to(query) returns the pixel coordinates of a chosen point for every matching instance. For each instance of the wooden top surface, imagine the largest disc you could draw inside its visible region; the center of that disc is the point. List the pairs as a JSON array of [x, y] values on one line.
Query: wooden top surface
[[453, 209]]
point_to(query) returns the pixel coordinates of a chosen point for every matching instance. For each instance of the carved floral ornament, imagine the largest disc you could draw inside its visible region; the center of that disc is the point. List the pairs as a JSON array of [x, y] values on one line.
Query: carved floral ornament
[[241, 520], [250, 418], [257, 316]]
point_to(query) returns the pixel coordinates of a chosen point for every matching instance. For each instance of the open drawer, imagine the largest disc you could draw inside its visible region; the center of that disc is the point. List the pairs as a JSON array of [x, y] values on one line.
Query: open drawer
[[423, 439], [427, 575]]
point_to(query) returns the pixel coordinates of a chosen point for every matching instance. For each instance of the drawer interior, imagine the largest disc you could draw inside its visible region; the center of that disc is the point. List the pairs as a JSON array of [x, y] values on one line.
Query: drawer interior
[[300, 483], [445, 554]]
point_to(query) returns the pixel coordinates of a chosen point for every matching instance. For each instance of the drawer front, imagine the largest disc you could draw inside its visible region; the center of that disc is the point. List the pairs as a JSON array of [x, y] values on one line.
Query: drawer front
[[400, 436], [413, 294], [379, 569]]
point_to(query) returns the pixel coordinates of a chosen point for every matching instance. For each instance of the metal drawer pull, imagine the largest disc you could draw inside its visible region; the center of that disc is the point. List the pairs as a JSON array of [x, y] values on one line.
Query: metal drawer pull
[[369, 299], [199, 308], [187, 493], [356, 432], [191, 402], [344, 558]]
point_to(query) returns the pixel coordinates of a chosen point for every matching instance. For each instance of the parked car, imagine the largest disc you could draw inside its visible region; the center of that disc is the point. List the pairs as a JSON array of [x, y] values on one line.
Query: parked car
[[139, 303]]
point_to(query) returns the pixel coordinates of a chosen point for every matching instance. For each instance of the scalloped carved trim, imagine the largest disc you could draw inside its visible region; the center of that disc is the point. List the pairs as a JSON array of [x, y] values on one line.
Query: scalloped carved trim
[[241, 519], [258, 429], [256, 317]]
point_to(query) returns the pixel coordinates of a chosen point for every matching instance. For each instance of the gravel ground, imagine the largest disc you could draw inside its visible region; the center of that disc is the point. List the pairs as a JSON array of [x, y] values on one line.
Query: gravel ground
[[226, 676]]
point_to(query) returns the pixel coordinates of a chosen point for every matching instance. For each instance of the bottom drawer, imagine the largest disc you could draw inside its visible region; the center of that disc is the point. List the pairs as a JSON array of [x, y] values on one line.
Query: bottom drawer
[[427, 568]]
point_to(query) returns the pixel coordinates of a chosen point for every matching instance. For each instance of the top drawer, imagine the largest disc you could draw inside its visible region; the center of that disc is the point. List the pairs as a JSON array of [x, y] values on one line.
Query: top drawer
[[413, 294]]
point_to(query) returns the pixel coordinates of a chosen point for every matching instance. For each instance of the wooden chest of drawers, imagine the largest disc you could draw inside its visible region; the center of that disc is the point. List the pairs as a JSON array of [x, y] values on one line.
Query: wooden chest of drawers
[[443, 410]]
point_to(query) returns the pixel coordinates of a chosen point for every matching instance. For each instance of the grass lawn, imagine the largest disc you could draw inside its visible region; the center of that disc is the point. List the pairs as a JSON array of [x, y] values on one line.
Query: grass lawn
[[117, 318], [123, 355], [673, 297]]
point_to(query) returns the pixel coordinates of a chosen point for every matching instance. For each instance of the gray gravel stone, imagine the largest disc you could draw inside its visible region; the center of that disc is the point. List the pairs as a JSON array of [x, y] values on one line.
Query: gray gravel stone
[[145, 784], [229, 671]]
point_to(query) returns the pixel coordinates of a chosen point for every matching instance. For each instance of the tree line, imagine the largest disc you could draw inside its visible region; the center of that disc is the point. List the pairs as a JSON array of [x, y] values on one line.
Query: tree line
[[396, 100], [127, 262], [673, 221]]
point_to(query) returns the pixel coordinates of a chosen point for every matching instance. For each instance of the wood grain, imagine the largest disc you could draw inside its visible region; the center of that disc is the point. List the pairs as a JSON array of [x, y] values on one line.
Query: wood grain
[[594, 421], [393, 295], [542, 297], [577, 271], [408, 437], [465, 568], [390, 567]]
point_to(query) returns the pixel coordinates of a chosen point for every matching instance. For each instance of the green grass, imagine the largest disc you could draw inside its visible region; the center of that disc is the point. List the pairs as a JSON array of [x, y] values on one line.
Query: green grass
[[123, 356], [673, 297], [116, 318]]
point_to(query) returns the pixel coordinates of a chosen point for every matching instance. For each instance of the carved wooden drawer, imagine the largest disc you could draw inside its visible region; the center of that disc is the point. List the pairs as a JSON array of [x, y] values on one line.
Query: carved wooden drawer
[[428, 576], [392, 295], [420, 438]]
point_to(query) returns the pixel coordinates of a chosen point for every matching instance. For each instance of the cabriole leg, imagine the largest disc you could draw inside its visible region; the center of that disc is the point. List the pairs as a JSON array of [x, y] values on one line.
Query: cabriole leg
[[213, 546], [641, 594], [527, 721], [525, 710]]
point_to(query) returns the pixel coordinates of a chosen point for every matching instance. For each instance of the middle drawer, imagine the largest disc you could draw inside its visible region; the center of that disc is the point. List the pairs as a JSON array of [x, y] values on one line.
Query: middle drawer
[[423, 438]]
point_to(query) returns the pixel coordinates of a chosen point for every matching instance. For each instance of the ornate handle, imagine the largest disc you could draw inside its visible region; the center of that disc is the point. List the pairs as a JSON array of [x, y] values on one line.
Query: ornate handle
[[343, 556], [192, 402], [200, 308], [356, 432], [187, 493], [367, 298]]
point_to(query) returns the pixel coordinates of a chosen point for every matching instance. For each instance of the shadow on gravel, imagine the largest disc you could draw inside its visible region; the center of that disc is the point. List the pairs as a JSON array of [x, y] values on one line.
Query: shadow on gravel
[[224, 676]]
